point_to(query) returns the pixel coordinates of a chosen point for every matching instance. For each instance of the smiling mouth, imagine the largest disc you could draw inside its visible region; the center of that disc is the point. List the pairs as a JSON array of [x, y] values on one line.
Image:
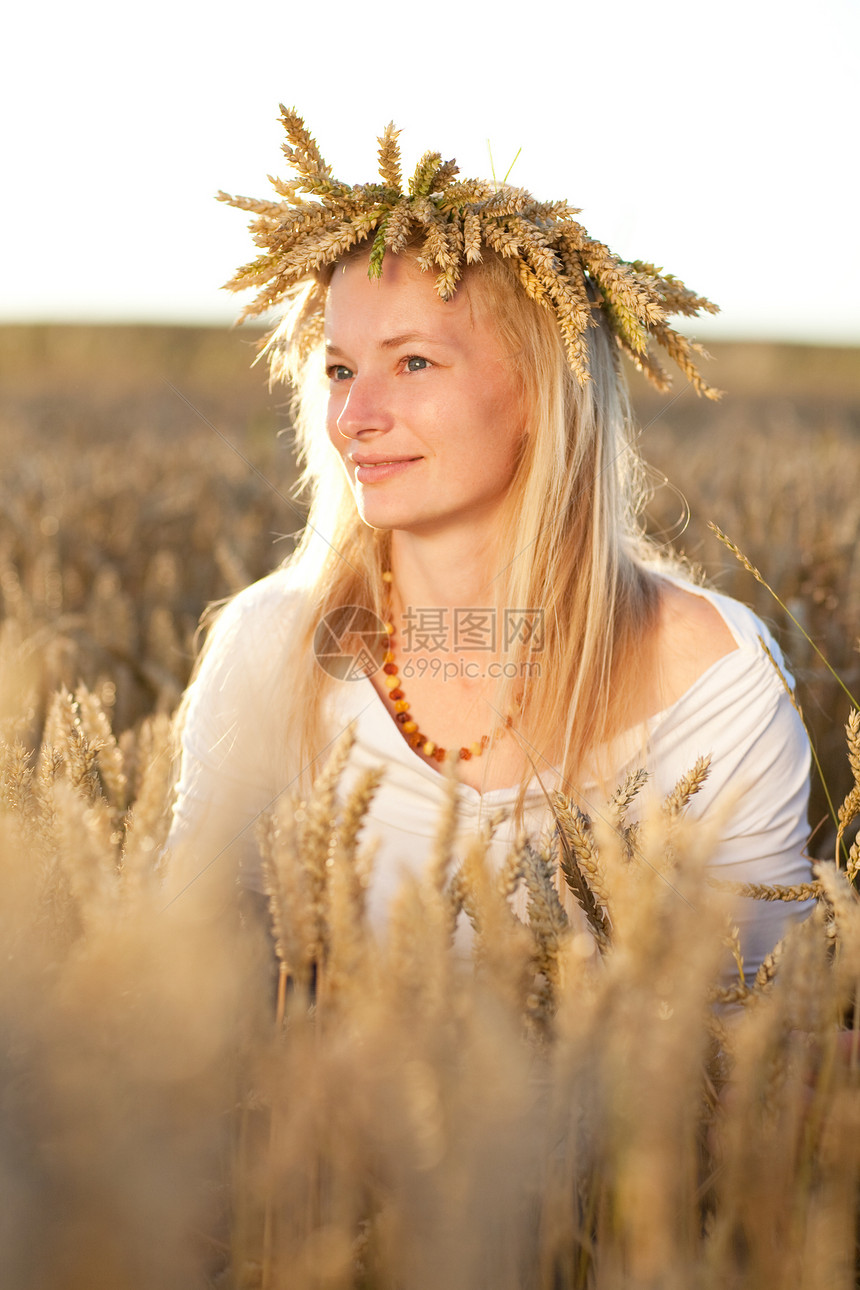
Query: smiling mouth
[[380, 461], [373, 471]]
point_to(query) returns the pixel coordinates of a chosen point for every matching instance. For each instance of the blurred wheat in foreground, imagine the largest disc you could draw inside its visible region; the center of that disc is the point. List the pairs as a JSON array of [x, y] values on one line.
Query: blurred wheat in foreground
[[566, 1101], [583, 1099]]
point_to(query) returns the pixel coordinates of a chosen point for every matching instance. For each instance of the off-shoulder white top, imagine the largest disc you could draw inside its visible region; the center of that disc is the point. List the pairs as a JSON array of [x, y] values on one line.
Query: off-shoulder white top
[[233, 769]]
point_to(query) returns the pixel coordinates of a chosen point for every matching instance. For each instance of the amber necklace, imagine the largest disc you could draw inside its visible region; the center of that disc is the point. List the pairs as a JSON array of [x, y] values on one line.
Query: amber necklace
[[414, 737]]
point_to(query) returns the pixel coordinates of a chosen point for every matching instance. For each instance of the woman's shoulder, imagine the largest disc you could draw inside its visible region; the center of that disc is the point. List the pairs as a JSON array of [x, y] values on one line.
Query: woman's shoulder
[[713, 645], [268, 606], [248, 635], [693, 635], [710, 642], [705, 604], [737, 710]]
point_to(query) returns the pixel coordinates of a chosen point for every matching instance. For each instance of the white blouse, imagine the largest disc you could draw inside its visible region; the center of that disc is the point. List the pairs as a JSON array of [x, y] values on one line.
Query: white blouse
[[737, 712]]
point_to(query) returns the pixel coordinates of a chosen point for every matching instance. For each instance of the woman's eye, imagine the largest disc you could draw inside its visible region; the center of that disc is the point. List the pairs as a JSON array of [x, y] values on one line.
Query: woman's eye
[[416, 364], [337, 372]]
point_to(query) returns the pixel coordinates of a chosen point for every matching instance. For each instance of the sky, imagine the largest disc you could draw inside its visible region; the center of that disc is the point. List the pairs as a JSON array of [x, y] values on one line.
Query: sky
[[719, 142]]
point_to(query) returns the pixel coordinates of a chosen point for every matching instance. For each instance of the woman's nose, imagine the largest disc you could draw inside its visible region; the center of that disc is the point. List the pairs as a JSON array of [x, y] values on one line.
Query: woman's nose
[[365, 410]]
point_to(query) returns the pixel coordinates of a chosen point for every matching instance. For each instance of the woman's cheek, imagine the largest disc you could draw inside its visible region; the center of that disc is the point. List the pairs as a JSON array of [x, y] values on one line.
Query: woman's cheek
[[332, 414]]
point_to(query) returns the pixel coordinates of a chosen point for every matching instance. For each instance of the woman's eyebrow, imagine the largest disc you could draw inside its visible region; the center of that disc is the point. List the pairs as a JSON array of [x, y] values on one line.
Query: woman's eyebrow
[[409, 337], [394, 342]]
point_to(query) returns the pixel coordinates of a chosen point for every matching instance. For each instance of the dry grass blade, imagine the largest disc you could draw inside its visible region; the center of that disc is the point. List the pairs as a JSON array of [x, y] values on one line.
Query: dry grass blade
[[274, 887], [584, 896], [97, 728], [147, 822], [294, 907], [687, 786], [850, 808], [389, 157], [766, 974], [349, 880], [800, 891], [624, 795], [301, 149], [317, 834], [852, 869], [547, 919], [842, 900], [579, 858], [16, 778]]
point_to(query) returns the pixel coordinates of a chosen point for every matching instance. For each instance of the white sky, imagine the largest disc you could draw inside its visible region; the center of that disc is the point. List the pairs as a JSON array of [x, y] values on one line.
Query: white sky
[[718, 142]]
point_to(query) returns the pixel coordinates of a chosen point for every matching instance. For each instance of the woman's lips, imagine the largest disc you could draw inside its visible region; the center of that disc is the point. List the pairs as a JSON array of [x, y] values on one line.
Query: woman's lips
[[372, 470]]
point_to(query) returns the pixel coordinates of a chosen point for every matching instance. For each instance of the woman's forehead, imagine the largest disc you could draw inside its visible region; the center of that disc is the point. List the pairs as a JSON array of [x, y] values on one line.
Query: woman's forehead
[[403, 299]]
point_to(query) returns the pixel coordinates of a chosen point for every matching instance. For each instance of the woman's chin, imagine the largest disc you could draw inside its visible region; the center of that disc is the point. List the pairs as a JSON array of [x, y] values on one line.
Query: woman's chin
[[379, 514], [394, 523]]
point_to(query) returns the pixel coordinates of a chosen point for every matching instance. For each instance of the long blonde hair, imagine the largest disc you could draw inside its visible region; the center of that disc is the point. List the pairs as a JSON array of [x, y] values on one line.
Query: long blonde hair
[[578, 554]]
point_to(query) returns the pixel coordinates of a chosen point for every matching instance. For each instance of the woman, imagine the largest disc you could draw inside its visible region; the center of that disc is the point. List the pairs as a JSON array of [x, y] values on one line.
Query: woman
[[476, 492]]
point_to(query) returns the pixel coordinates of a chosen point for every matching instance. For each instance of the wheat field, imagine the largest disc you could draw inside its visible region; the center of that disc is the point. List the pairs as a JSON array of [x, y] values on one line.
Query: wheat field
[[289, 1102]]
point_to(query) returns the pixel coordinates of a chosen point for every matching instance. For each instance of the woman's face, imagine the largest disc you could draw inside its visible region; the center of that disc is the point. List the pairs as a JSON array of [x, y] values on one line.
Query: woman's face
[[424, 405]]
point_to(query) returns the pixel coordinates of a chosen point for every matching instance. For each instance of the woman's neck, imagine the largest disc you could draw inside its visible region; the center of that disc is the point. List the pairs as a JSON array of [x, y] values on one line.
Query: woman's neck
[[438, 571]]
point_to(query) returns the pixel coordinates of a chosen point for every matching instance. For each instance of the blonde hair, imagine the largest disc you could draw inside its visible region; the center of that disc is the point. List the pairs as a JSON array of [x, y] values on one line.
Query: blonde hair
[[579, 555]]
